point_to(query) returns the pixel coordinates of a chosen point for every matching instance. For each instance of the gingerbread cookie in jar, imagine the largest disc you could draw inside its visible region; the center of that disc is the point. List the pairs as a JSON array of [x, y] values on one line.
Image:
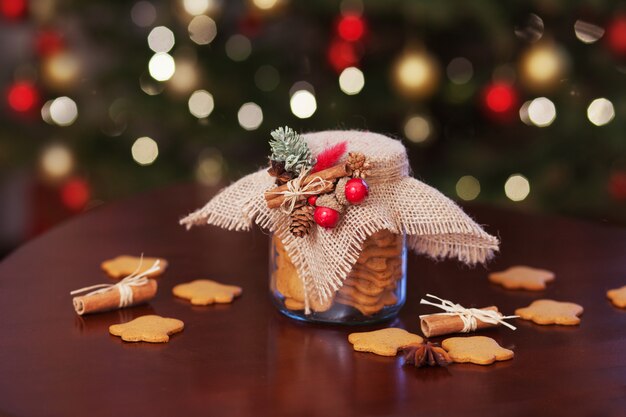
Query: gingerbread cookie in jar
[[342, 211]]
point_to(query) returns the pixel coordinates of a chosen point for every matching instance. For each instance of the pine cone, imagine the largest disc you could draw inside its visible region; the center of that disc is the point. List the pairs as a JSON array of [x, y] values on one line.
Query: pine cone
[[340, 191], [277, 169], [302, 220], [358, 164], [330, 201]]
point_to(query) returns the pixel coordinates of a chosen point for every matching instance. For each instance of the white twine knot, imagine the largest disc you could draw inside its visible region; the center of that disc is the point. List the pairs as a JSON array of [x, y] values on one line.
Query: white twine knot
[[469, 316], [295, 190], [124, 287]]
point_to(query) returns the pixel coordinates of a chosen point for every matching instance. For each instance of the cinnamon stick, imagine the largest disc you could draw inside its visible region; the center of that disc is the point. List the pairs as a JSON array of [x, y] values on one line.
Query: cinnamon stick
[[332, 173], [110, 300], [439, 324], [277, 202]]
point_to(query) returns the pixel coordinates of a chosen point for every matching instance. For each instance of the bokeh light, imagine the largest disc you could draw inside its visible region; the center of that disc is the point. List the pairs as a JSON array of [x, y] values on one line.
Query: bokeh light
[[541, 112], [22, 96], [266, 78], [616, 34], [600, 111], [143, 14], [63, 111], [161, 66], [303, 104], [342, 54], [45, 112], [417, 129], [265, 4], [202, 30], [500, 98], [351, 81], [145, 150], [351, 27], [517, 187], [416, 74], [467, 188], [543, 66], [49, 42], [13, 9], [460, 70], [201, 103], [531, 30], [250, 116], [523, 113], [61, 70], [149, 86], [161, 39], [198, 7], [238, 48], [75, 194], [587, 32], [209, 170], [56, 162], [185, 77]]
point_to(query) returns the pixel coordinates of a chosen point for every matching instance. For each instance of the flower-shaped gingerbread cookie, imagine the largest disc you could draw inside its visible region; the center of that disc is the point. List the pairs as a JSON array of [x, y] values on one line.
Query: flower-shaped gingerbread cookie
[[522, 278], [385, 342], [124, 265], [480, 350], [551, 312], [618, 297], [151, 328], [202, 292]]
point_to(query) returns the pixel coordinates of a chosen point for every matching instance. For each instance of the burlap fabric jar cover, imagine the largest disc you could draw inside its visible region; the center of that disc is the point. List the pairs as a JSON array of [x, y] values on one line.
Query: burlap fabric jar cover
[[434, 225]]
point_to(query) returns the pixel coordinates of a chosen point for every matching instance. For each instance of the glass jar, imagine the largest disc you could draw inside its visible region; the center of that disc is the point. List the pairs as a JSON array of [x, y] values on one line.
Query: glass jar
[[374, 290]]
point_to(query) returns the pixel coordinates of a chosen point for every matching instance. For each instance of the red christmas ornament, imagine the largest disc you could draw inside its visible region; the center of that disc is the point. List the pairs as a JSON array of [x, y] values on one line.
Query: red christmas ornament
[[22, 97], [351, 28], [342, 55], [326, 217], [356, 191], [75, 194], [616, 35], [617, 186], [312, 200], [13, 9], [48, 42], [500, 101]]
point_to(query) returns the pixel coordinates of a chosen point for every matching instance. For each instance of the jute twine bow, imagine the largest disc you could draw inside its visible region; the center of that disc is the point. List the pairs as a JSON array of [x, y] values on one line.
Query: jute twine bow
[[124, 286], [470, 316], [295, 190]]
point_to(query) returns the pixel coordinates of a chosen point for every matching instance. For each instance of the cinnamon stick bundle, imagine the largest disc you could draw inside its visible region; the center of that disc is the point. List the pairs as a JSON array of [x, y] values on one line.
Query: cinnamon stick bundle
[[275, 199], [439, 324], [110, 300]]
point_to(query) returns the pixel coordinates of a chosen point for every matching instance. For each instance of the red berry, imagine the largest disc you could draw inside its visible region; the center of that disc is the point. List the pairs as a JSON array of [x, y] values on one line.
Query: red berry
[[312, 200], [356, 191], [326, 217]]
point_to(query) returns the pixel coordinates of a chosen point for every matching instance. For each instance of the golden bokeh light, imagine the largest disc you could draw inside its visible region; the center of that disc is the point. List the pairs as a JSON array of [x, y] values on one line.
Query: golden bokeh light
[[416, 74]]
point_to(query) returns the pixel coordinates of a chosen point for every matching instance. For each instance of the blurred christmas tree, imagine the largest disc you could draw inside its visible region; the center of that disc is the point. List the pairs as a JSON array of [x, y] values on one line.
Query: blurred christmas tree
[[517, 103]]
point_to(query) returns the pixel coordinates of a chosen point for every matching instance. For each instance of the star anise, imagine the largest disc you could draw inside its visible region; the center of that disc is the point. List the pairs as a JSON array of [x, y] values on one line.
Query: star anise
[[426, 354]]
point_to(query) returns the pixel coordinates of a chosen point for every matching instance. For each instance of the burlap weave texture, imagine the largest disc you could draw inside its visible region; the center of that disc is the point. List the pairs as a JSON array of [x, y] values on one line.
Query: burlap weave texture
[[434, 224]]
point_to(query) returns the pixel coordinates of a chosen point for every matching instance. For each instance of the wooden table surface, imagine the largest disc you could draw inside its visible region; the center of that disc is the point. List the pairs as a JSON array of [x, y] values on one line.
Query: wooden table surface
[[245, 359]]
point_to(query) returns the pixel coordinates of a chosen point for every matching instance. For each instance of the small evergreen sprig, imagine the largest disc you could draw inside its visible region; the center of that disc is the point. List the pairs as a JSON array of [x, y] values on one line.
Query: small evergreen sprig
[[291, 149]]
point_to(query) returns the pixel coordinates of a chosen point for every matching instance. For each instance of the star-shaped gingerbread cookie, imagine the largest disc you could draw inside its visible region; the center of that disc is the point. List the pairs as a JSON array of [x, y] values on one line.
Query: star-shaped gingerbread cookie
[[202, 292], [551, 312], [522, 278], [150, 328], [480, 350], [618, 297], [384, 342], [124, 265]]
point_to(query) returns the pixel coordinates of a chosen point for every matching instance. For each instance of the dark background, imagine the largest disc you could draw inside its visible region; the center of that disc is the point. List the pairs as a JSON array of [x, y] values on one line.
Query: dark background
[[463, 106]]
